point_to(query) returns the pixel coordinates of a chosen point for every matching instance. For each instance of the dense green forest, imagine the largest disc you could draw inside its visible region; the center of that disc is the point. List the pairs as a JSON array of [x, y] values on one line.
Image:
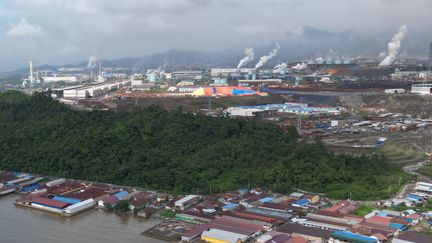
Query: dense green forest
[[177, 152]]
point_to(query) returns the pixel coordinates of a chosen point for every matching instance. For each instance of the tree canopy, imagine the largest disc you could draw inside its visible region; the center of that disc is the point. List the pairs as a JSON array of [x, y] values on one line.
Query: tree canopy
[[177, 152]]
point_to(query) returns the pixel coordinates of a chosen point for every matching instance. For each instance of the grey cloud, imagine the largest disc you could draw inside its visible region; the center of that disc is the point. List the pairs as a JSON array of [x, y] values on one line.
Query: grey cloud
[[76, 29]]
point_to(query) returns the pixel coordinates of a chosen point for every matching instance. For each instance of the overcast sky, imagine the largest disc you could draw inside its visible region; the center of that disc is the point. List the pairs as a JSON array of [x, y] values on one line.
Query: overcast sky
[[67, 31]]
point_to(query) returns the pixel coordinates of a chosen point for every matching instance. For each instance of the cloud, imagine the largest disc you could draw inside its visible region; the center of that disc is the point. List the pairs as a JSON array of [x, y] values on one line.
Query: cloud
[[24, 28], [95, 7], [119, 28]]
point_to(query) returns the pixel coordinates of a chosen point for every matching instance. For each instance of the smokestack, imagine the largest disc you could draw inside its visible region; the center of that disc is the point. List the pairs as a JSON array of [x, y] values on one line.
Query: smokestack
[[91, 65], [393, 47], [31, 71], [250, 55], [264, 59]]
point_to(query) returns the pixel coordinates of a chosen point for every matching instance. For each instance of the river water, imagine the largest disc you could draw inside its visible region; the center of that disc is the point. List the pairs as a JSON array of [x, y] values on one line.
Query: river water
[[25, 225]]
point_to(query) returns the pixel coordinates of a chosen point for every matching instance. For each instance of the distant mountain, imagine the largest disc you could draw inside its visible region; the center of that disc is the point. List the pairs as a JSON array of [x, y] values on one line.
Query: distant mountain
[[171, 60]]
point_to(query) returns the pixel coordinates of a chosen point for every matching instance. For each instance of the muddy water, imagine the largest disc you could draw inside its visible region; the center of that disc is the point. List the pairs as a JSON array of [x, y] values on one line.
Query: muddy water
[[25, 225]]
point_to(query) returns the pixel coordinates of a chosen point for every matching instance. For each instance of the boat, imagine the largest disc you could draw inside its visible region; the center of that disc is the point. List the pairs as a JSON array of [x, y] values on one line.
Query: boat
[[6, 189]]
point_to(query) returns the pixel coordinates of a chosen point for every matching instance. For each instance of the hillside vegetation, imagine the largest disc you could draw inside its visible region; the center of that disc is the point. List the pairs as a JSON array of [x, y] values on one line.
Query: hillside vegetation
[[177, 152]]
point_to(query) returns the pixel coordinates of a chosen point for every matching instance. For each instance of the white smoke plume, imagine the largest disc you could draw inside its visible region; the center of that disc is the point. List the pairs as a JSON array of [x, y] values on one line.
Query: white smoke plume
[[300, 66], [264, 59], [92, 62], [393, 47], [279, 68], [382, 54], [250, 55], [319, 59]]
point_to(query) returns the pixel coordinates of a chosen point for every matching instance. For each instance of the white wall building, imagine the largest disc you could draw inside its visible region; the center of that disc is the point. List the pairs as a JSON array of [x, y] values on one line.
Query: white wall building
[[421, 88]]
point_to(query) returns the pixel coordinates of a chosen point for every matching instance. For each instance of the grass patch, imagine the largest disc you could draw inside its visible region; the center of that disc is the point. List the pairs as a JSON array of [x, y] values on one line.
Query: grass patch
[[363, 210], [426, 170]]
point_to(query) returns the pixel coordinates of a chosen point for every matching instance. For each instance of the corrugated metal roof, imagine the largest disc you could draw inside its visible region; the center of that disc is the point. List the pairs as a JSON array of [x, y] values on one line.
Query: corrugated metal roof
[[121, 194], [346, 235], [66, 200], [225, 236], [50, 203], [302, 202], [266, 199]]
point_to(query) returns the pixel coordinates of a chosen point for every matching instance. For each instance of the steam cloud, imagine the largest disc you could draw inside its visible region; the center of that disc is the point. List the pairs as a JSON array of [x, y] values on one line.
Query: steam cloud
[[250, 55], [393, 47], [279, 68], [91, 62], [264, 59], [300, 66]]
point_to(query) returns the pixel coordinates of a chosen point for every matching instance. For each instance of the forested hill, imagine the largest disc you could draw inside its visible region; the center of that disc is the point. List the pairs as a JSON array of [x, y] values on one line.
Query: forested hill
[[175, 151]]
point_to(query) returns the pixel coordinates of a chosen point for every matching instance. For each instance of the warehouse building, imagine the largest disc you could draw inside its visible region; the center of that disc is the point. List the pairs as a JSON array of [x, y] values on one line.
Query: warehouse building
[[222, 236], [421, 89], [186, 202], [83, 92]]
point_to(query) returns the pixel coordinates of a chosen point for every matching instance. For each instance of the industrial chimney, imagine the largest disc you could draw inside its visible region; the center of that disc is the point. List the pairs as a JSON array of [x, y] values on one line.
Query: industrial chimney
[[31, 72]]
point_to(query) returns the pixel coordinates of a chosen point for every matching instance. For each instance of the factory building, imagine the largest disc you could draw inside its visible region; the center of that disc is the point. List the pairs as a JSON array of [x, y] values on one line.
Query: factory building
[[83, 92], [186, 201], [227, 72], [187, 75]]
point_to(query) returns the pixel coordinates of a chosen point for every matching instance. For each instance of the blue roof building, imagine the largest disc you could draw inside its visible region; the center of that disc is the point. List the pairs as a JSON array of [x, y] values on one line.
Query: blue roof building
[[66, 200], [266, 199], [121, 194], [230, 206], [301, 203], [351, 237]]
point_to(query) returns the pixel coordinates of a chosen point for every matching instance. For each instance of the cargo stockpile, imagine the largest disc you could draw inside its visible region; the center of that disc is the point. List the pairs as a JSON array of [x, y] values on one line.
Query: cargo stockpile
[[225, 91]]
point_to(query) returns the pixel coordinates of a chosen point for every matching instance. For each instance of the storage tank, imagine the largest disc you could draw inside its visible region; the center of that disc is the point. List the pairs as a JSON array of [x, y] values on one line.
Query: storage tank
[[79, 207]]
